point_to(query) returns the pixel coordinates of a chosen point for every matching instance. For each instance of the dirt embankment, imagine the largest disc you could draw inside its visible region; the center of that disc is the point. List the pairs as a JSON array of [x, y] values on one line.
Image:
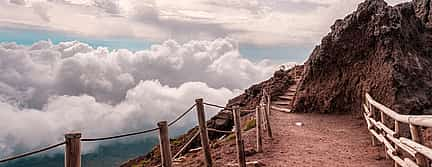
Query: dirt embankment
[[381, 49]]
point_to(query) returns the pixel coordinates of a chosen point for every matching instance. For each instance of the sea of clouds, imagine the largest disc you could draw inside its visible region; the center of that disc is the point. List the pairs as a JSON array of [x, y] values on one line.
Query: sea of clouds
[[48, 89]]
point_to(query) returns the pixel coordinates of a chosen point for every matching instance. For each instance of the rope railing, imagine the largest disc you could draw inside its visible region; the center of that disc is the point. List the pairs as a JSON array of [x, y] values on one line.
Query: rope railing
[[219, 131], [182, 115], [119, 136], [98, 138], [73, 140], [32, 152], [141, 132]]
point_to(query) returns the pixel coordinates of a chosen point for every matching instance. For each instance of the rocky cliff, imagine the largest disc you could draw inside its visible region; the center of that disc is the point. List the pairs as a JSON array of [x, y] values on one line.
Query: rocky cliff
[[381, 49]]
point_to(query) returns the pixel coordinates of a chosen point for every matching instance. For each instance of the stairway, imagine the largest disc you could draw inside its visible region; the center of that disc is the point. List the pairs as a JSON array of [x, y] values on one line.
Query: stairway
[[284, 102]]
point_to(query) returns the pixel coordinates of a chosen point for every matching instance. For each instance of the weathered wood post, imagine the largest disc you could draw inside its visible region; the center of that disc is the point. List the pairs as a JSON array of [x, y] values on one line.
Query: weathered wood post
[[267, 98], [382, 116], [397, 134], [266, 117], [268, 103], [240, 147], [258, 129], [165, 147], [416, 136], [203, 132], [372, 111], [73, 149]]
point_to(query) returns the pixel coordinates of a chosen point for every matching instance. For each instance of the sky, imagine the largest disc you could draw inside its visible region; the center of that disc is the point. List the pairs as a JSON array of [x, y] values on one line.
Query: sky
[[113, 66], [292, 23]]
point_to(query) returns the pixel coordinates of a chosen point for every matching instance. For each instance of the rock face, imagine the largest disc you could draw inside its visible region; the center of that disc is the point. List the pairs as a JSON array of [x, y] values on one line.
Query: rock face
[[380, 49]]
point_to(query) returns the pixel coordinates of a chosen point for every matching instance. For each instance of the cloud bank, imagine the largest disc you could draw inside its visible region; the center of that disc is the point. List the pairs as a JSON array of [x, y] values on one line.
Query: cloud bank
[[48, 89], [260, 22]]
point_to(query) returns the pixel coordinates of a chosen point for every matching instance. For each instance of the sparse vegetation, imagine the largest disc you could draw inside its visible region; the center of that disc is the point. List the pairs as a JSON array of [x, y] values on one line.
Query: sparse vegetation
[[249, 124], [230, 137]]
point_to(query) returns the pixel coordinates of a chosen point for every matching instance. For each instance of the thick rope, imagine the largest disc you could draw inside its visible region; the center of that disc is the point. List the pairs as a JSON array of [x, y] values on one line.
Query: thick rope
[[120, 136], [141, 132], [97, 139], [219, 131], [218, 106], [182, 115], [32, 152]]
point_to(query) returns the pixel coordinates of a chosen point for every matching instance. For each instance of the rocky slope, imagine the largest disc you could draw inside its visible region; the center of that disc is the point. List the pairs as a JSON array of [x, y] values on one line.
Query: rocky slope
[[381, 49]]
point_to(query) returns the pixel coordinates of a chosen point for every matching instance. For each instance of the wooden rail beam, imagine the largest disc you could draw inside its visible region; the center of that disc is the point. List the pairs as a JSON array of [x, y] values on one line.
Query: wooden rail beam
[[417, 147]]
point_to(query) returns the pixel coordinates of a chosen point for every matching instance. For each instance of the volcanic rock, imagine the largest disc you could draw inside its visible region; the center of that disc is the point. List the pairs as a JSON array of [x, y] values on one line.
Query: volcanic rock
[[382, 50]]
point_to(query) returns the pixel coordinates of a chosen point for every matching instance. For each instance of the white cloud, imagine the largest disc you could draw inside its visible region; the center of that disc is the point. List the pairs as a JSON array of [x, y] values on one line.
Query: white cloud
[[274, 22], [145, 104], [74, 68], [48, 89]]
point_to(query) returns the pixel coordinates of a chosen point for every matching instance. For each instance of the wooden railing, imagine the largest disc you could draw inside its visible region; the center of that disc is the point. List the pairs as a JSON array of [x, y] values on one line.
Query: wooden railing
[[405, 151]]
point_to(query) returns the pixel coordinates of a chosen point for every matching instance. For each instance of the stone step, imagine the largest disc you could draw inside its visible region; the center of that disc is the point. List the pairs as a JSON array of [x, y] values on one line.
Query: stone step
[[286, 97], [289, 94], [281, 102], [280, 109], [292, 89]]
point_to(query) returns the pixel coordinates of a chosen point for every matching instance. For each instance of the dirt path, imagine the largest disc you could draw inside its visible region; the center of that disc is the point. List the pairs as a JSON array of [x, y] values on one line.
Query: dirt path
[[323, 140]]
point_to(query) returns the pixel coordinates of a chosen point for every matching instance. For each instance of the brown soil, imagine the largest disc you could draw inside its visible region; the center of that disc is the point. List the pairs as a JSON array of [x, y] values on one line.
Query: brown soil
[[323, 140]]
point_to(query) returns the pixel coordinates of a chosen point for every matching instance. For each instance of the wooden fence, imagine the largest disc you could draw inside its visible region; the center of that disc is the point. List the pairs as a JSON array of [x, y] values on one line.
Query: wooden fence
[[405, 151], [73, 140]]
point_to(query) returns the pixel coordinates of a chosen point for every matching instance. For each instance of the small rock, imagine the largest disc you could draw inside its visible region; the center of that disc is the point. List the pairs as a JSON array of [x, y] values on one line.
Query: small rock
[[299, 124], [250, 152]]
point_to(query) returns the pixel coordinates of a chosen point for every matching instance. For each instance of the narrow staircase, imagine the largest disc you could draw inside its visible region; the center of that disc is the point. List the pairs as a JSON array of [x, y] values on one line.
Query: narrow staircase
[[284, 102]]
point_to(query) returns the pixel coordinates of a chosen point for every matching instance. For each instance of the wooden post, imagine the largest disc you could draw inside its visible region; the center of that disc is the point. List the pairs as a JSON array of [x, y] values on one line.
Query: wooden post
[[269, 131], [165, 147], [268, 103], [416, 136], [203, 132], [382, 115], [240, 147], [397, 128], [73, 149], [397, 134], [258, 129], [264, 120], [372, 110]]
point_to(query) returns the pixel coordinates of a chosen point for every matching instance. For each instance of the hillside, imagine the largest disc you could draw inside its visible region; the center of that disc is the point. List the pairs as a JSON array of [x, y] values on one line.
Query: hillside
[[279, 82]]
